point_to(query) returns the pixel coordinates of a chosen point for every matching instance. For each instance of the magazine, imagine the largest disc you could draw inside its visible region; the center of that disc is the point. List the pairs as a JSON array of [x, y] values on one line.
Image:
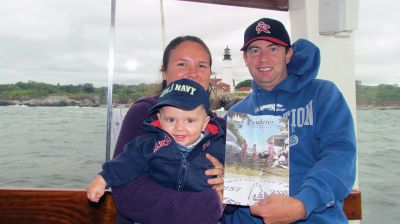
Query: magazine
[[256, 158]]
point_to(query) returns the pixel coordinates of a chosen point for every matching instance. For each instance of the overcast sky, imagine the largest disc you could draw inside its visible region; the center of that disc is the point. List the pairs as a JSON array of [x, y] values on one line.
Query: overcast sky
[[67, 41]]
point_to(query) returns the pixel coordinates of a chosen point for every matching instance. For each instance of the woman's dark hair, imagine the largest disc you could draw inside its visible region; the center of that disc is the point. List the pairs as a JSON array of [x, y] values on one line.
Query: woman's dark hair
[[167, 54]]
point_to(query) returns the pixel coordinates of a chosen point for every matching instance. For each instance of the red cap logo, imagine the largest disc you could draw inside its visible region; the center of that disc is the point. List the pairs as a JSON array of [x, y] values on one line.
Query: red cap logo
[[262, 27]]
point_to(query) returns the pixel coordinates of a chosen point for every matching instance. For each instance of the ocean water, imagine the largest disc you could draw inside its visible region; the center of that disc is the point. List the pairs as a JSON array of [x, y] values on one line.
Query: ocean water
[[57, 147], [379, 165], [64, 147]]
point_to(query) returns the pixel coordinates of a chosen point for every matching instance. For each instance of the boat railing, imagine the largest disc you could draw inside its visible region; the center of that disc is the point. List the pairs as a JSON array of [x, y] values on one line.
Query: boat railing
[[68, 206]]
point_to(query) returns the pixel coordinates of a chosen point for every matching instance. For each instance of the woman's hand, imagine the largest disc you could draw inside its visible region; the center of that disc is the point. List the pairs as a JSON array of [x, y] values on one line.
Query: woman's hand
[[218, 171]]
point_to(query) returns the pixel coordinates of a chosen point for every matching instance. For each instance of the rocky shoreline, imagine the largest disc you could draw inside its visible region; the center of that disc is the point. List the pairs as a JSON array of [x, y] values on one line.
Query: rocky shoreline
[[223, 100], [55, 101], [378, 107], [95, 101], [381, 105]]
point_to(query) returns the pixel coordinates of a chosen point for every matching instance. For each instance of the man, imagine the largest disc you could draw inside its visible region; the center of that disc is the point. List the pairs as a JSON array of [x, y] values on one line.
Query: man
[[322, 139]]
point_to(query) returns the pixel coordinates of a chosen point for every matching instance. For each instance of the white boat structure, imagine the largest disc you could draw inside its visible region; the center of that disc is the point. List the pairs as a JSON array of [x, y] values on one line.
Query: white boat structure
[[327, 23]]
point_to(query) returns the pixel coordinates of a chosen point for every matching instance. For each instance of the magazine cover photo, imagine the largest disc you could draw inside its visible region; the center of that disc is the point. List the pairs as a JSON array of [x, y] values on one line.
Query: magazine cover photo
[[256, 159]]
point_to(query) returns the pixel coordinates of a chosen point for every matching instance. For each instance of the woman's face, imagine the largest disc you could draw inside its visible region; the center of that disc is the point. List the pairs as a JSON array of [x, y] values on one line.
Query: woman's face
[[189, 60]]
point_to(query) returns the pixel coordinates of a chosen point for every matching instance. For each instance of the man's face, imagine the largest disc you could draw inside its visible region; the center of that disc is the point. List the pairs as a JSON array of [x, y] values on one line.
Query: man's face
[[183, 125], [266, 62]]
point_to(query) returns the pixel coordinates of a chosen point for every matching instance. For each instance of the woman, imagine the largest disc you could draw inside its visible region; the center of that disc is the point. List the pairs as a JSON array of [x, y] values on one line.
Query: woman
[[184, 57]]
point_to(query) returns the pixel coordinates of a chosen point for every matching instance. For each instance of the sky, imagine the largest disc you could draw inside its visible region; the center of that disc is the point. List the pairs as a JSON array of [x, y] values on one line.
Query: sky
[[68, 41]]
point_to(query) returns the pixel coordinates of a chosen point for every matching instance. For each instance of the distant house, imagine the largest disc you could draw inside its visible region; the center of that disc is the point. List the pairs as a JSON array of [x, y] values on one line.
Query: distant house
[[218, 84], [245, 88]]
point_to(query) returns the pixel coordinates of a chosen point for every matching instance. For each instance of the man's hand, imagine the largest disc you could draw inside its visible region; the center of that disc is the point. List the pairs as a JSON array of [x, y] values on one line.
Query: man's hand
[[279, 209]]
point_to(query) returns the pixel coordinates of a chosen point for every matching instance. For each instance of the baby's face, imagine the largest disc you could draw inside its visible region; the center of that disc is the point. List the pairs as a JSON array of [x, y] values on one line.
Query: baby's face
[[184, 126]]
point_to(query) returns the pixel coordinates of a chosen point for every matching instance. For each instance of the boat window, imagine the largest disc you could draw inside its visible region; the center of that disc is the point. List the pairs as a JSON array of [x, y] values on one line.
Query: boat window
[[54, 76], [53, 79]]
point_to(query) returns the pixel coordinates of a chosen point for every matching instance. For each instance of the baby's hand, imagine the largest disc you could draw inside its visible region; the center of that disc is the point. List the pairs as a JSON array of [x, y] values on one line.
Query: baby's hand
[[96, 189]]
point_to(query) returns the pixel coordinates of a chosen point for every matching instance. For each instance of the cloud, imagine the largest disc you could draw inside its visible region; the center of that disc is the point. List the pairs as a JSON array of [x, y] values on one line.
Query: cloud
[[376, 43], [68, 41]]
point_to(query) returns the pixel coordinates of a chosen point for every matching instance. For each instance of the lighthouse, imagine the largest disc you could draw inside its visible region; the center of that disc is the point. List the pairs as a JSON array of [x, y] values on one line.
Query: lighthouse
[[227, 71]]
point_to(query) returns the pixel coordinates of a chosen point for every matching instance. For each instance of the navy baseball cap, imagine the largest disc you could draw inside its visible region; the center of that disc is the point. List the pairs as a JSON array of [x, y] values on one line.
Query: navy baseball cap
[[185, 94], [266, 29]]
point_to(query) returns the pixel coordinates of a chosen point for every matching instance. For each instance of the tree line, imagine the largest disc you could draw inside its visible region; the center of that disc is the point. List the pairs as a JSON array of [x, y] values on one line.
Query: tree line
[[380, 95], [122, 94]]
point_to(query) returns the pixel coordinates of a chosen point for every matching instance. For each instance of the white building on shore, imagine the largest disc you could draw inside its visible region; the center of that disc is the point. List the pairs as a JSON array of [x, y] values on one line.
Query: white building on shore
[[225, 81]]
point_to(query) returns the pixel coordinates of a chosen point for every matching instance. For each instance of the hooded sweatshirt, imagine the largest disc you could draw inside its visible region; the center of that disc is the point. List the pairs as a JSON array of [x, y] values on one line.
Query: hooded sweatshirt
[[148, 202], [166, 161], [322, 139]]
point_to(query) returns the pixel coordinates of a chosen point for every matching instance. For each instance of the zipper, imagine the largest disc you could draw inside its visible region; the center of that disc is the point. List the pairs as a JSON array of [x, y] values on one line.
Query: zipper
[[183, 170], [187, 156]]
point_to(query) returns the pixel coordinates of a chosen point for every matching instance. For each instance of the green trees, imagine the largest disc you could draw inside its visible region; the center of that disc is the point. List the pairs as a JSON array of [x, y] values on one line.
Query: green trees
[[122, 94], [88, 88], [381, 95], [24, 91], [245, 83]]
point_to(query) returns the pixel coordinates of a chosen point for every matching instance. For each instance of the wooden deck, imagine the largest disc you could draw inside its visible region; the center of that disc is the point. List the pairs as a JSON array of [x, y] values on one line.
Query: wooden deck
[[49, 206]]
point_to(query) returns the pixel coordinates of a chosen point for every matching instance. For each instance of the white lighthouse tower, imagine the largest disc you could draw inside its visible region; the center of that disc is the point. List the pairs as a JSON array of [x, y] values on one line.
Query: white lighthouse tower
[[227, 71]]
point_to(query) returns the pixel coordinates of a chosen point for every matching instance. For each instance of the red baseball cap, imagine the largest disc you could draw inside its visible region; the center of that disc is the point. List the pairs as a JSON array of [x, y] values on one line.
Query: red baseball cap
[[266, 29]]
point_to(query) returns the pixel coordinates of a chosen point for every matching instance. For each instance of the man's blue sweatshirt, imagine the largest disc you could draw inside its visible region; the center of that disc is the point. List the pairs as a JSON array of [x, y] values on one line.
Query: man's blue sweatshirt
[[322, 139]]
